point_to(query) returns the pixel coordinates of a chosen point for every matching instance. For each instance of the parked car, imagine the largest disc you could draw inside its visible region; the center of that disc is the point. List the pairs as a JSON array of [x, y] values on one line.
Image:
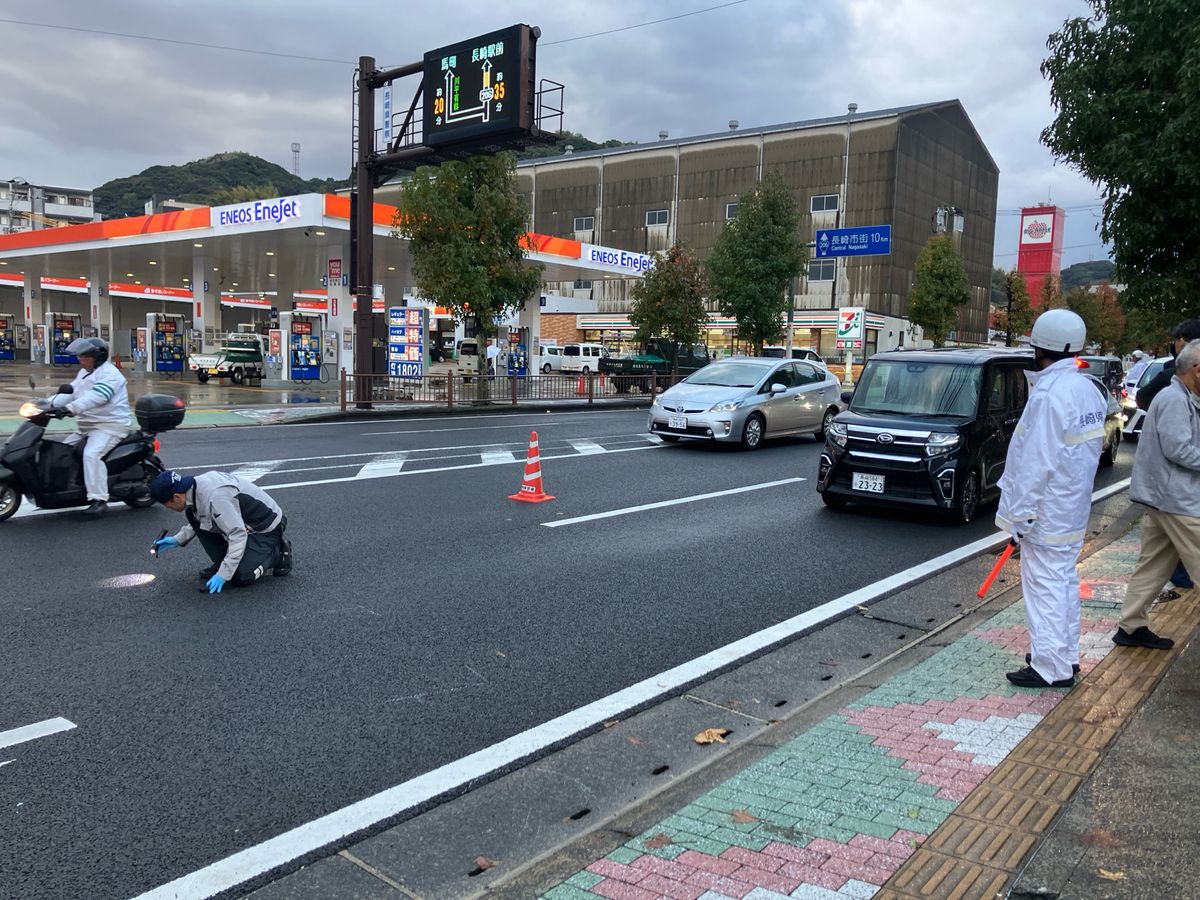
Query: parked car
[[551, 359], [240, 357], [1109, 369], [926, 428], [747, 399], [657, 358], [805, 353], [583, 358], [1133, 416], [466, 353], [1112, 424]]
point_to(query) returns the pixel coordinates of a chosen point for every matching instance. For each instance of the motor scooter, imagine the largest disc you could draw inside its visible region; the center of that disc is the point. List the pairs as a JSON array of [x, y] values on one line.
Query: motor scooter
[[50, 473]]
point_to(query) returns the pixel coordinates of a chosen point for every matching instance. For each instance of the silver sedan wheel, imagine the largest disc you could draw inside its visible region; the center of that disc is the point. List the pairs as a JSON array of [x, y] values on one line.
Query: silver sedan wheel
[[752, 432]]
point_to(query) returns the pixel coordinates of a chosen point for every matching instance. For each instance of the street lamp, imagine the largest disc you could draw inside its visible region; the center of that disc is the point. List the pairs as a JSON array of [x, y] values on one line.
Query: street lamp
[[840, 262]]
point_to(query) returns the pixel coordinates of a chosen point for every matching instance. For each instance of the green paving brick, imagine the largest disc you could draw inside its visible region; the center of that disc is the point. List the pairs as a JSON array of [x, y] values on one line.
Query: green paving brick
[[753, 840], [588, 880], [862, 826], [568, 892], [623, 855], [671, 851], [722, 820], [686, 824]]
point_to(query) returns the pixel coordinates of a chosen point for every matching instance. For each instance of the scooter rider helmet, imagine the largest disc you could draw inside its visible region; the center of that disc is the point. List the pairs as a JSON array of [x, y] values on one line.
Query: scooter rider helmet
[[1138, 354], [1059, 331], [89, 346]]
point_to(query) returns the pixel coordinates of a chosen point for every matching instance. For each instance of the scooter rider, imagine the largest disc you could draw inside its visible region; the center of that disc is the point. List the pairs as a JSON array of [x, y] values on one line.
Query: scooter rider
[[239, 526], [99, 398]]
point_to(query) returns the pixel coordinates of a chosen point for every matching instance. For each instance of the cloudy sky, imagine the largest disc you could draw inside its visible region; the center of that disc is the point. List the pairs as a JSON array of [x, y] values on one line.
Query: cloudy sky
[[79, 107]]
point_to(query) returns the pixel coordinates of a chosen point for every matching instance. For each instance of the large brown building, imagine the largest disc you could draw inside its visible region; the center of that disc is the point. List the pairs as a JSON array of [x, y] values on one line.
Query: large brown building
[[917, 168]]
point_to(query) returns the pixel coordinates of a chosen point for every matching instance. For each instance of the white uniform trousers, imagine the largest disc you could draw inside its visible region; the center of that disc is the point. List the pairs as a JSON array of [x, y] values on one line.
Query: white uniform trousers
[[95, 472], [1050, 582]]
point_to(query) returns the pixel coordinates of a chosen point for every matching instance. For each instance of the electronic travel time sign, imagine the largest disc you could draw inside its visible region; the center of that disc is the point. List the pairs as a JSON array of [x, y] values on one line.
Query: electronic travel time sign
[[480, 88]]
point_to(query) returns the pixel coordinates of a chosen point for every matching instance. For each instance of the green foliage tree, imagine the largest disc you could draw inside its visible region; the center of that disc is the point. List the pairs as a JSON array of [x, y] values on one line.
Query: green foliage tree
[[1050, 296], [1125, 84], [669, 301], [464, 222], [1083, 274], [939, 288], [1101, 314], [577, 142], [1016, 316], [756, 255], [244, 192], [998, 295]]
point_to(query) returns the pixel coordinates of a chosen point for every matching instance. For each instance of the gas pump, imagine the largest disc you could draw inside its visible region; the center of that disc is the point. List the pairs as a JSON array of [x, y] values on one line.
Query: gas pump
[[168, 337], [64, 328], [518, 360], [8, 347], [305, 347]]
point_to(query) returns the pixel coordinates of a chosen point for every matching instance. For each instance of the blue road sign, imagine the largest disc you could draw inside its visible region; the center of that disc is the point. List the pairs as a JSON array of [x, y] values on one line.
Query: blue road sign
[[870, 240]]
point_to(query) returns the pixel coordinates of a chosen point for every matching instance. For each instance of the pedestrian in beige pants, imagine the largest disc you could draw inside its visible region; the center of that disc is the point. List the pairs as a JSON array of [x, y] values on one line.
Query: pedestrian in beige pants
[[1166, 478]]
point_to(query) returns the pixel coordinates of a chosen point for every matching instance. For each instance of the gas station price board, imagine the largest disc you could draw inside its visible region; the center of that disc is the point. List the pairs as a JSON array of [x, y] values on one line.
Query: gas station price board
[[406, 341]]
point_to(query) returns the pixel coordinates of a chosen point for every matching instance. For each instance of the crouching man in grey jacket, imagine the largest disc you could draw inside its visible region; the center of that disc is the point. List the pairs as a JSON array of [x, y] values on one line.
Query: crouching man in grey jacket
[[239, 526], [1166, 478]]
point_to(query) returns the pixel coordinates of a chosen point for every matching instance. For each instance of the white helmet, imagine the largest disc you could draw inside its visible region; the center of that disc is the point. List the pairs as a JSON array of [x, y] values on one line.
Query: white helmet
[[1138, 354], [1059, 331]]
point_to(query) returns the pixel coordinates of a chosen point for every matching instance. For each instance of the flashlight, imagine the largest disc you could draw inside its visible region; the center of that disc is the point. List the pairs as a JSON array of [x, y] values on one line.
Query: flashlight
[[154, 545]]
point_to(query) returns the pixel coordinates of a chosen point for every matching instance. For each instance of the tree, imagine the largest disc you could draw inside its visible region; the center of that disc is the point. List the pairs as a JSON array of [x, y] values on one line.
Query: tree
[[939, 288], [756, 255], [1050, 296], [1016, 316], [998, 296], [1101, 314], [464, 222], [243, 193], [669, 301], [1125, 84]]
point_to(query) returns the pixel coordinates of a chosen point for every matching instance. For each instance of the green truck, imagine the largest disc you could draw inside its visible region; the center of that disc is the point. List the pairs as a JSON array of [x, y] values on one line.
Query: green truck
[[239, 359], [636, 371]]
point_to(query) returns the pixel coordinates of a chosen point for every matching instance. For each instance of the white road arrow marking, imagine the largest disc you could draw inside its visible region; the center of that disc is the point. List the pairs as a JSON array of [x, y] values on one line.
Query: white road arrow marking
[[32, 732]]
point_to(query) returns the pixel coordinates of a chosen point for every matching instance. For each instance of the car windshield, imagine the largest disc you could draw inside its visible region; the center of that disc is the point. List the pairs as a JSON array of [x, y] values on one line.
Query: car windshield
[[730, 373], [918, 388], [1152, 372]]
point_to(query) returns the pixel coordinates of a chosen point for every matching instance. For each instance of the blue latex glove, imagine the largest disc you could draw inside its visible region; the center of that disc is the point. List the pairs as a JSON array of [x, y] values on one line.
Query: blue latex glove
[[215, 584], [164, 544]]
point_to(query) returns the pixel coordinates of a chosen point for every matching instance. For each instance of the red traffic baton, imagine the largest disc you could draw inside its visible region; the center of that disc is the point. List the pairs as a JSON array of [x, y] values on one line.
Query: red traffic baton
[[987, 582]]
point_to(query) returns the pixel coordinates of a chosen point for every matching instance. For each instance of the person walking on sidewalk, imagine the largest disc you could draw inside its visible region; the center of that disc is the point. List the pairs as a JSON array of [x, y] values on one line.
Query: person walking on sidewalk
[[239, 526], [1166, 478], [1046, 495]]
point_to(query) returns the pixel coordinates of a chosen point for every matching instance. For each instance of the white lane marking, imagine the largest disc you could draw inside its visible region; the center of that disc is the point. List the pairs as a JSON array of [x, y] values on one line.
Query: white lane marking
[[384, 465], [254, 471], [541, 417], [497, 457], [7, 761], [32, 732], [583, 446], [277, 851], [559, 523]]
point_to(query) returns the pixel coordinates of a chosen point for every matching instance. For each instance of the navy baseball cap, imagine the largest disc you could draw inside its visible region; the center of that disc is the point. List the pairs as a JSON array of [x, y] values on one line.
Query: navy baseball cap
[[167, 484]]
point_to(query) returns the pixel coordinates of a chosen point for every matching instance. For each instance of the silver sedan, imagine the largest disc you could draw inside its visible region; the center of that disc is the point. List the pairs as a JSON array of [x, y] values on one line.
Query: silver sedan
[[747, 399]]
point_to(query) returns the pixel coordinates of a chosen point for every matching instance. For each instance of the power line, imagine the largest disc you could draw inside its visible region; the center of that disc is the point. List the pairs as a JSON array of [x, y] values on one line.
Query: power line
[[642, 24]]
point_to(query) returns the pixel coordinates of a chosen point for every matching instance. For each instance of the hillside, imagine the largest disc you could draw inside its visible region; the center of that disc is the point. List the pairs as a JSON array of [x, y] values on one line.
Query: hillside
[[202, 181], [1086, 273]]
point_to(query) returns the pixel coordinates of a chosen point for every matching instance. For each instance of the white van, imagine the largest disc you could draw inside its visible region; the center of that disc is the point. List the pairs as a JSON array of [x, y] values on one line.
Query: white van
[[583, 357], [551, 359]]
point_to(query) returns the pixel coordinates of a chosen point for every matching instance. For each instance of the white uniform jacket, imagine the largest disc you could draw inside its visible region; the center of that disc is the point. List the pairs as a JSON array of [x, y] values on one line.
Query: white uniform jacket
[[233, 508], [100, 401], [1046, 489]]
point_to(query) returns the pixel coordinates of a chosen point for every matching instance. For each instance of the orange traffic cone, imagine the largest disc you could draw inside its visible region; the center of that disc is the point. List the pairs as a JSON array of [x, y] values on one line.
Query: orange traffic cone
[[117, 360], [531, 485], [581, 385]]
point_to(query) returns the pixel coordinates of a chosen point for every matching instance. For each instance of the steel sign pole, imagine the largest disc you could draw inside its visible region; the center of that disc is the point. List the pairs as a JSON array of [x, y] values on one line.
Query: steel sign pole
[[362, 225]]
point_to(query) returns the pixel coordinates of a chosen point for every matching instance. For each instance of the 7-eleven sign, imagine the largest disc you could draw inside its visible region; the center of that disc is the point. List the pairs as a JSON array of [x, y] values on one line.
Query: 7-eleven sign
[[851, 327]]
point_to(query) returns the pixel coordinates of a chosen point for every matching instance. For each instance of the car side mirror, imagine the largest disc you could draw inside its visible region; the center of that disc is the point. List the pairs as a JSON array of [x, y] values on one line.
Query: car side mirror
[[777, 388], [847, 396]]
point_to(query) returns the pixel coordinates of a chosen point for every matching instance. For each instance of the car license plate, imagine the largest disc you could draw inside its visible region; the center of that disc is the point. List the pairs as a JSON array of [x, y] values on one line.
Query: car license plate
[[677, 422], [872, 484], [213, 372]]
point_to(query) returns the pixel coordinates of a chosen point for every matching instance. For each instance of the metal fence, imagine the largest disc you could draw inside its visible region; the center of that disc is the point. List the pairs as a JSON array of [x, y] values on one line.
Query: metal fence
[[452, 388]]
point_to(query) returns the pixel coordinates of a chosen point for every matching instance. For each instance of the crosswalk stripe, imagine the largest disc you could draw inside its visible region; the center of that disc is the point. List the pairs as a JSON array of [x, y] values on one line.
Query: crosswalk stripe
[[583, 446], [497, 457], [384, 465], [254, 471]]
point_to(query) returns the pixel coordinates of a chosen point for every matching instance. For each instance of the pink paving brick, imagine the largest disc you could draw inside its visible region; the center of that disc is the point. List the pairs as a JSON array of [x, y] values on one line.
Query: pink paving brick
[[809, 875], [668, 868], [791, 853], [881, 861], [619, 890], [722, 885], [666, 887], [621, 872], [876, 845], [749, 858], [906, 837], [708, 863], [856, 870], [840, 851], [773, 881]]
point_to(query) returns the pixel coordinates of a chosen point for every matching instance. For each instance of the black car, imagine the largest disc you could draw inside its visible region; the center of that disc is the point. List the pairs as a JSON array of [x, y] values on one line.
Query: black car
[[926, 428], [1108, 369]]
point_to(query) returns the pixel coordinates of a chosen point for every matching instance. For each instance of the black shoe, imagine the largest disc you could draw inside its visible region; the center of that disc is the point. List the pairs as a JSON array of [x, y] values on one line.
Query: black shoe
[[285, 560], [1074, 666], [1142, 637], [1029, 678], [207, 572], [96, 508]]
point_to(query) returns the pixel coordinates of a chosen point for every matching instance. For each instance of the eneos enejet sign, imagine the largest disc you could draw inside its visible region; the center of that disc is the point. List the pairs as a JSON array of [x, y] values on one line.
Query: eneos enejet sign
[[275, 211]]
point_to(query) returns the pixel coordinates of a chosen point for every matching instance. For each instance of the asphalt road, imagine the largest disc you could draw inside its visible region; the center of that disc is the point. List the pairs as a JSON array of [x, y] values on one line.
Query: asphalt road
[[427, 617]]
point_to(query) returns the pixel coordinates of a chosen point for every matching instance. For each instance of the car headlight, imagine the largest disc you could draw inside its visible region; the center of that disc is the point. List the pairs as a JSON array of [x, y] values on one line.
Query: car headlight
[[727, 406], [941, 442], [1129, 403], [838, 433], [657, 401]]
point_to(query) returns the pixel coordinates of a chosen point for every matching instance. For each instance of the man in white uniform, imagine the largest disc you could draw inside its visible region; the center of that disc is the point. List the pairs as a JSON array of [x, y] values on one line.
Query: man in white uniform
[[99, 398], [1046, 495], [1140, 364]]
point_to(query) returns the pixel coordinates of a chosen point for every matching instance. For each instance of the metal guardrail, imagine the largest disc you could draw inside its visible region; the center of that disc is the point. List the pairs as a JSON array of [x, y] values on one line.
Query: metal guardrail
[[363, 391]]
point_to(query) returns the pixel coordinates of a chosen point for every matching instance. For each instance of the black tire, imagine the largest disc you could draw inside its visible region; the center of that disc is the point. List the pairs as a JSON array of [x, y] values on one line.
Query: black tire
[[968, 500], [825, 420], [752, 432], [202, 377], [237, 376], [670, 438], [149, 471], [547, 369], [10, 501], [586, 371], [833, 501], [1108, 455]]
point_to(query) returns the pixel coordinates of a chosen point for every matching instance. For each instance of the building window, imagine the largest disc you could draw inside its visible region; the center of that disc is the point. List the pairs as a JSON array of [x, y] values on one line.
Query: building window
[[824, 203], [730, 210], [582, 284], [821, 269], [585, 223], [657, 217]]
